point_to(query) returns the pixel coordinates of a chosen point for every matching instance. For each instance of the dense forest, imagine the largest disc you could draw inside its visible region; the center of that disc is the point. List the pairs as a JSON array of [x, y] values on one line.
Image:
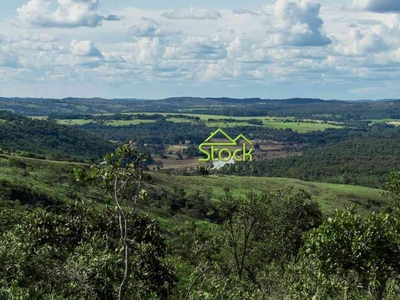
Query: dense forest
[[38, 138]]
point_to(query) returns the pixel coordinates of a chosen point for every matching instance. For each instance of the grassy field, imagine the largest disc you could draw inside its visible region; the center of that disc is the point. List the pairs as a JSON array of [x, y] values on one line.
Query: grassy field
[[329, 196], [38, 117], [395, 122], [299, 127], [74, 122], [270, 122], [54, 178]]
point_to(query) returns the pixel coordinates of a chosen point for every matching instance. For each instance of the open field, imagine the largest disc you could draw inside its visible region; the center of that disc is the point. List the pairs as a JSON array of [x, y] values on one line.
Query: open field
[[38, 117], [299, 127], [267, 150], [173, 163], [395, 122], [111, 123], [302, 126], [74, 122], [329, 196]]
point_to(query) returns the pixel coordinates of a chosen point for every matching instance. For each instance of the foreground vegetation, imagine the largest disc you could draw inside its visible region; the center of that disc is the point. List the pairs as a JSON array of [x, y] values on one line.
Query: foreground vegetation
[[74, 225], [225, 237]]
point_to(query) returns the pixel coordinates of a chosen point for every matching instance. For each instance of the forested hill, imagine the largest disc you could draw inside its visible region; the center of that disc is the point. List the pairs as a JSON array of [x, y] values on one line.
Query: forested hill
[[360, 161], [333, 110], [48, 139]]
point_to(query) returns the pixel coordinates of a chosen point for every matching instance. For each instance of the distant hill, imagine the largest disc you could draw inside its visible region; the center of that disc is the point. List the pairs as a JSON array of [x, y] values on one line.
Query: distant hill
[[45, 138], [45, 107], [309, 108]]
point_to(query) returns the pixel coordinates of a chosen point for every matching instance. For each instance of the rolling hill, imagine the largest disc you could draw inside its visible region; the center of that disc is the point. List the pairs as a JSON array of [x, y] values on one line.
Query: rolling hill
[[48, 139]]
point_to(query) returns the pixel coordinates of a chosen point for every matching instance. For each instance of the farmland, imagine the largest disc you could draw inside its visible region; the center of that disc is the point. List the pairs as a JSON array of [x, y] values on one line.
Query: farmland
[[299, 125]]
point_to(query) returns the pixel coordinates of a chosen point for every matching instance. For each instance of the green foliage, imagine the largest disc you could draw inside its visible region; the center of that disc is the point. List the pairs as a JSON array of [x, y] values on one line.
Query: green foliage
[[347, 245], [362, 161], [48, 139], [10, 191], [77, 254], [240, 257], [392, 189]]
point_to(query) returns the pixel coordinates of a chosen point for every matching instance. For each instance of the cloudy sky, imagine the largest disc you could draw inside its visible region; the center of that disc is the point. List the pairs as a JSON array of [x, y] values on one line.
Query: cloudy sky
[[343, 49]]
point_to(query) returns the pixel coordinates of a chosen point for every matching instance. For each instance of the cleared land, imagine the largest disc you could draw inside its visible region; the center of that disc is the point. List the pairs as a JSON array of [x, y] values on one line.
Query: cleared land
[[305, 125], [395, 122], [267, 150]]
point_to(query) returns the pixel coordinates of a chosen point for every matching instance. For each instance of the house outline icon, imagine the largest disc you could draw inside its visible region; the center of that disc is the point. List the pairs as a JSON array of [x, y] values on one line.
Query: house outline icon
[[232, 142]]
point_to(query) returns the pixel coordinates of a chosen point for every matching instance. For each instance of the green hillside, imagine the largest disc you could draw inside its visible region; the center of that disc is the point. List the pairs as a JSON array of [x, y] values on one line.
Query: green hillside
[[329, 196], [48, 139], [360, 161], [55, 181]]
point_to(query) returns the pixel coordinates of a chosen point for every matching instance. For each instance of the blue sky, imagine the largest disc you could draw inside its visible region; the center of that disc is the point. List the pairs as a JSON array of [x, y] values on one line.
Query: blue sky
[[157, 49]]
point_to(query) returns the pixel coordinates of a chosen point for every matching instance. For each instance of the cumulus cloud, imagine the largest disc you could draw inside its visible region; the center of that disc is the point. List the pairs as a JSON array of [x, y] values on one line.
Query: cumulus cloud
[[296, 23], [43, 37], [255, 45], [197, 47], [380, 6], [69, 14], [150, 28], [357, 42], [84, 48], [240, 51], [9, 60], [40, 46], [150, 50], [193, 13], [244, 11], [257, 11]]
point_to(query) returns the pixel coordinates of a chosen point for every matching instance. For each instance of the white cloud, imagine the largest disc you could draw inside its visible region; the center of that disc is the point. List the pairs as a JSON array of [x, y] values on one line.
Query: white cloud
[[249, 47], [69, 14], [42, 37], [257, 11], [245, 11], [380, 6], [296, 23], [151, 28], [150, 51], [358, 42], [194, 13], [9, 60], [197, 47], [241, 51], [41, 46], [84, 48]]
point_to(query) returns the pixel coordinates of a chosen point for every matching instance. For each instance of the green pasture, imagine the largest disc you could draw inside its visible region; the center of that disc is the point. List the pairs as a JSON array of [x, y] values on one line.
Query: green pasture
[[270, 122], [329, 196]]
